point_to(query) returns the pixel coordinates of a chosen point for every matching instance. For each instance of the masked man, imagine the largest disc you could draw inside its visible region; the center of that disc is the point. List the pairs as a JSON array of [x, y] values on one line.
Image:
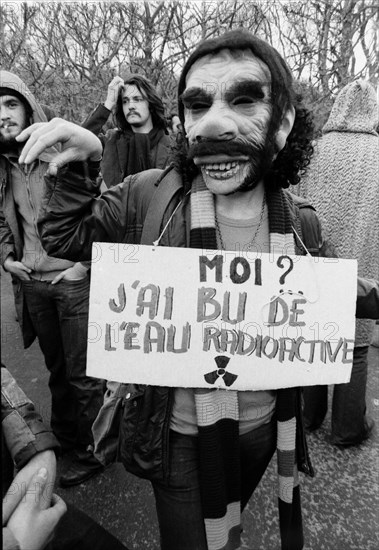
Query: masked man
[[247, 137]]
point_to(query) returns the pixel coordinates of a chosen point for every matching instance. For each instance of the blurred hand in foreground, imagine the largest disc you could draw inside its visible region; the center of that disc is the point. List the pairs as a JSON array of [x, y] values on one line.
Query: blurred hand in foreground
[[31, 523], [78, 144]]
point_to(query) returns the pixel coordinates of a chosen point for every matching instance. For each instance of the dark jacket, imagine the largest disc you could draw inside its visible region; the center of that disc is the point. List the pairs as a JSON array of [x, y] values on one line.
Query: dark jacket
[[115, 147], [72, 219]]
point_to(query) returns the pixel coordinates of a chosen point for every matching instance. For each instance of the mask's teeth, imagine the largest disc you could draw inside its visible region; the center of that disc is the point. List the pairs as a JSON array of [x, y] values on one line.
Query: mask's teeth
[[221, 166]]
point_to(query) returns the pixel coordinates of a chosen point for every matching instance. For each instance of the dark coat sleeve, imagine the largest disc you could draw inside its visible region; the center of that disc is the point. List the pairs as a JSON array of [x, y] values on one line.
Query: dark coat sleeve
[[74, 214], [24, 431], [96, 120]]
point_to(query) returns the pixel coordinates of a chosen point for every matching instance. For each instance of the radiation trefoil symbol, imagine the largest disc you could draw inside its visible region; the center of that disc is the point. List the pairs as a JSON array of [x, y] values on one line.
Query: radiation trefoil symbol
[[228, 378]]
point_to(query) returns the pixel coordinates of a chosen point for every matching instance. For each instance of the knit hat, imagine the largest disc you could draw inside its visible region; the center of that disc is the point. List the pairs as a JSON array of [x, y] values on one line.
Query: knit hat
[[355, 110], [281, 78]]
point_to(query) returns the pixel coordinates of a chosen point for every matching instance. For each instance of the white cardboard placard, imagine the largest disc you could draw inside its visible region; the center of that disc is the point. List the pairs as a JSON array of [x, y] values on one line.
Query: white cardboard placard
[[193, 318]]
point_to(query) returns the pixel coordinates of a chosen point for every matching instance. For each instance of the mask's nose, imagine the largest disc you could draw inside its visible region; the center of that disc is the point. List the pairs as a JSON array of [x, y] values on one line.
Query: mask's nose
[[216, 124]]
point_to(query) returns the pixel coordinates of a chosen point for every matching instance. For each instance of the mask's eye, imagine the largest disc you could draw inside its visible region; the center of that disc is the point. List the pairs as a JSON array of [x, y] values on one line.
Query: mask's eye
[[199, 106], [243, 100], [196, 105]]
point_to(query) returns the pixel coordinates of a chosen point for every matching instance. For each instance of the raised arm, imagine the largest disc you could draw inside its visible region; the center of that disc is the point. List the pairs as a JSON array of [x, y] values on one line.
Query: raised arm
[[96, 120]]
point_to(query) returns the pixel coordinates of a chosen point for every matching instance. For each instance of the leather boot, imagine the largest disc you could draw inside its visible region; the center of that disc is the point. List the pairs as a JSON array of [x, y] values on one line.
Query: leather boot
[[82, 468]]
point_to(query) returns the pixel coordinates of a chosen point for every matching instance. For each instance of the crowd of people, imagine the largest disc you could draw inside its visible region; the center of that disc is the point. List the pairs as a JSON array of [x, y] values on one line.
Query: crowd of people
[[224, 161]]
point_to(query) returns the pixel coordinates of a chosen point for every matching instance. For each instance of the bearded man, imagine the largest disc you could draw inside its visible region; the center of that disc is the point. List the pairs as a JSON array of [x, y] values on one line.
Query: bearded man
[[51, 294], [247, 138]]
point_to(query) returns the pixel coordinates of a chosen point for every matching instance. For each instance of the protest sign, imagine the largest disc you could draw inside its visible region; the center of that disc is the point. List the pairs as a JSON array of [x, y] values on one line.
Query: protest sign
[[192, 318]]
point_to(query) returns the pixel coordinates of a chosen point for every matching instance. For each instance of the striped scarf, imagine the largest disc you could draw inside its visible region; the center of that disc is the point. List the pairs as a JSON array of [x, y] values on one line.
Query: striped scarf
[[218, 429]]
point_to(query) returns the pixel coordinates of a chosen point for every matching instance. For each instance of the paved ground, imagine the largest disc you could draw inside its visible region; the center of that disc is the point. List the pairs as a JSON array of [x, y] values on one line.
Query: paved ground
[[340, 505]]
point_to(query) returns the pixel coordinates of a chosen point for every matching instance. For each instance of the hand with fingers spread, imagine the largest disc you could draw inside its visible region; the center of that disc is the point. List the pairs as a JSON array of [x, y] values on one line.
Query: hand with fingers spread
[[113, 91], [31, 524], [78, 144]]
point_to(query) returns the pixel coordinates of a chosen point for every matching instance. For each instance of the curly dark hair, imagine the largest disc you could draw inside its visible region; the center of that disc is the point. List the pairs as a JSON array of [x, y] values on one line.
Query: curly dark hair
[[156, 106], [293, 159]]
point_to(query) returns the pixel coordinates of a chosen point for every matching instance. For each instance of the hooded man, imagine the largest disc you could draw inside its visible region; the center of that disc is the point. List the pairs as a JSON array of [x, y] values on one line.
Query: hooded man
[[247, 137], [51, 294], [344, 171], [140, 141]]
